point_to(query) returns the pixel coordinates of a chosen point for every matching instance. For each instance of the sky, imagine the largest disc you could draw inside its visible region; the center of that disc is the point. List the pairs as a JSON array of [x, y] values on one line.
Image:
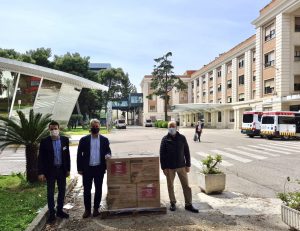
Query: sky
[[130, 33]]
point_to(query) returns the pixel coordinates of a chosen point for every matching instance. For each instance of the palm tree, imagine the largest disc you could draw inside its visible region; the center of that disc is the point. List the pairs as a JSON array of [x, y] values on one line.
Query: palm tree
[[27, 132]]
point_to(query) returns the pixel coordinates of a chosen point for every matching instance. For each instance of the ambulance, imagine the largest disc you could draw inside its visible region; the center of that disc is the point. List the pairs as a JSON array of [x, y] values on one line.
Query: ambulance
[[251, 123], [279, 124]]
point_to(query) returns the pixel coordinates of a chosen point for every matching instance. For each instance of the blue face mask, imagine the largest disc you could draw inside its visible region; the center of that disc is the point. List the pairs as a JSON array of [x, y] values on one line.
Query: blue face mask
[[172, 131]]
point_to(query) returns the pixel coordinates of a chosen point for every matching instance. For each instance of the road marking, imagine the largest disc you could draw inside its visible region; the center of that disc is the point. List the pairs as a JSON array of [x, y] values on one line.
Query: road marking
[[247, 154], [269, 149], [241, 159], [223, 163], [279, 148], [12, 157], [287, 146], [260, 151], [196, 163]]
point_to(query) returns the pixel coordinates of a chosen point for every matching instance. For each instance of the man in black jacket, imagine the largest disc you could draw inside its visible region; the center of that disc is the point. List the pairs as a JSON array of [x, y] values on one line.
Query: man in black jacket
[[175, 158], [54, 165], [92, 151]]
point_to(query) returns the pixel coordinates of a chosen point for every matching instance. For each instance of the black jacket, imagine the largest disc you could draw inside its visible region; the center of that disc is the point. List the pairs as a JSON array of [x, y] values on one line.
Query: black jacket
[[46, 155], [174, 152], [84, 152]]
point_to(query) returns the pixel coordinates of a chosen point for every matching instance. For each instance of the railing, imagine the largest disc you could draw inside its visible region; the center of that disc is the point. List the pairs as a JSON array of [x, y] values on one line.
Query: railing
[[270, 63]]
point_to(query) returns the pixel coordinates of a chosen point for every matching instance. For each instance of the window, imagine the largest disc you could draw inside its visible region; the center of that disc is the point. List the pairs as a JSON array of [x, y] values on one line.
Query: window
[[242, 97], [254, 76], [229, 99], [231, 116], [229, 83], [192, 85], [211, 90], [152, 108], [219, 100], [219, 73], [269, 59], [229, 68], [219, 87], [297, 83], [241, 63], [241, 80], [253, 56], [211, 76], [198, 82], [267, 120], [219, 116], [297, 54], [269, 86], [270, 32], [297, 24], [209, 117], [253, 94]]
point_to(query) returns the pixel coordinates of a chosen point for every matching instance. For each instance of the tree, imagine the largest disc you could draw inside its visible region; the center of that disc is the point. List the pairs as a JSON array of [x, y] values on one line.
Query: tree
[[41, 56], [27, 132], [118, 85], [164, 80]]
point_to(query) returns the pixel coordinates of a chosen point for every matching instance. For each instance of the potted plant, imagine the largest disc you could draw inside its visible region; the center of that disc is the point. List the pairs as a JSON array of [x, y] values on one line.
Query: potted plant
[[290, 208], [212, 180]]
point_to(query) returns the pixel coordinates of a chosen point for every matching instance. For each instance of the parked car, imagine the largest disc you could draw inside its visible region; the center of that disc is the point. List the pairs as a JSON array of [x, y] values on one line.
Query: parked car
[[120, 123], [148, 123]]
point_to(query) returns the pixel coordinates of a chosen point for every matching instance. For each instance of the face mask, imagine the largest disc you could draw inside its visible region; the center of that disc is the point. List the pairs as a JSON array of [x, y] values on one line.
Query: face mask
[[54, 132], [172, 131], [95, 130]]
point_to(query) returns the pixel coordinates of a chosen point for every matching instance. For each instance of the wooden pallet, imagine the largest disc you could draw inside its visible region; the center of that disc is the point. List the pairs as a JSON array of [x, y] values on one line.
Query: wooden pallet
[[116, 213]]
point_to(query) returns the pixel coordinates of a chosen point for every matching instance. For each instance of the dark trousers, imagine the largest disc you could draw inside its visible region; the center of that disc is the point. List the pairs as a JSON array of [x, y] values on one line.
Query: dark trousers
[[95, 173], [57, 175], [199, 135]]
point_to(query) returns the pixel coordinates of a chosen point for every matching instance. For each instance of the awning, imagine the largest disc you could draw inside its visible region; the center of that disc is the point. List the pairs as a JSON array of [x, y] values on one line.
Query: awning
[[198, 107], [48, 73]]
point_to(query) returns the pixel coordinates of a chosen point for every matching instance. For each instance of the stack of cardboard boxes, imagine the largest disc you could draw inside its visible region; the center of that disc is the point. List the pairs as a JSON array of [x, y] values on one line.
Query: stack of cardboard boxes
[[133, 181]]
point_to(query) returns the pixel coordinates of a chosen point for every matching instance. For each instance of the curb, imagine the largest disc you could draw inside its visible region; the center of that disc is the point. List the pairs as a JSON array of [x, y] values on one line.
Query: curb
[[40, 220]]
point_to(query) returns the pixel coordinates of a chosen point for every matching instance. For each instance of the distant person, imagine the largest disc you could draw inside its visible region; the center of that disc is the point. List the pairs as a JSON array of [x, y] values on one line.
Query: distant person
[[54, 166], [91, 154], [175, 158], [199, 129]]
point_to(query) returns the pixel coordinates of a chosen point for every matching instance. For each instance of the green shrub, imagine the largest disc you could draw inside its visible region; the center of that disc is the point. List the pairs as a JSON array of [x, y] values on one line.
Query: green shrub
[[290, 199], [210, 164], [165, 124]]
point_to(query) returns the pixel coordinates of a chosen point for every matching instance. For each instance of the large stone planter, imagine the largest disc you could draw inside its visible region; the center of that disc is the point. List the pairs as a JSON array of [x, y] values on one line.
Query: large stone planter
[[212, 183], [290, 216]]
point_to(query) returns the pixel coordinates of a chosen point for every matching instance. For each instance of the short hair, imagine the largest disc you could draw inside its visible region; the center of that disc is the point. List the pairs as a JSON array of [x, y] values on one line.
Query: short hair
[[53, 122], [93, 121], [172, 122]]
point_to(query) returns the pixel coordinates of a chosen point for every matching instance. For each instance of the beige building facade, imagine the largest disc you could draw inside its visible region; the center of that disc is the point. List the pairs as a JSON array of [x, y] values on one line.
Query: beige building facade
[[261, 73]]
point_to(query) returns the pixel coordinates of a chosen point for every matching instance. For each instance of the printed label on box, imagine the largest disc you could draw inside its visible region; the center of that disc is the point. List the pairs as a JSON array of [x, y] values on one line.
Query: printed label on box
[[118, 168], [148, 192]]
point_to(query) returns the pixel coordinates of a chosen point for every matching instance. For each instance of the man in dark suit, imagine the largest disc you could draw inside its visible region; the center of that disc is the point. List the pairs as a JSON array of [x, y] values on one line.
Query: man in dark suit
[[54, 166], [92, 151]]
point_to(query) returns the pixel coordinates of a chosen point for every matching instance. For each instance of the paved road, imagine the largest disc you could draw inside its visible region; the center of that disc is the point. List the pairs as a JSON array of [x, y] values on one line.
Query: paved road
[[255, 168]]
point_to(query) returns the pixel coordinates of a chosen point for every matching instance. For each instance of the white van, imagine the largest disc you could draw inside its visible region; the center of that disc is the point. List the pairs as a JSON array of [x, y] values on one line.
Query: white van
[[251, 123], [148, 123], [120, 123], [280, 124]]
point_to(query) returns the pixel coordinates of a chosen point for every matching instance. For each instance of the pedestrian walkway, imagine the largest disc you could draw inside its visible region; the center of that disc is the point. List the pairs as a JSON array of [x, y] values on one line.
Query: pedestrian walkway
[[249, 153]]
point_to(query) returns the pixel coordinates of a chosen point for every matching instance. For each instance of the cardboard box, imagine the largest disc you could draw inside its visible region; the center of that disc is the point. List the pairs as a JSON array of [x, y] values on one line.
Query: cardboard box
[[118, 171], [144, 169], [148, 194], [121, 196]]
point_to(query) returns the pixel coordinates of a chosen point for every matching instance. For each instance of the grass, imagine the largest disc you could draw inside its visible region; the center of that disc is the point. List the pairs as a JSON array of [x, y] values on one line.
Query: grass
[[83, 131], [20, 202]]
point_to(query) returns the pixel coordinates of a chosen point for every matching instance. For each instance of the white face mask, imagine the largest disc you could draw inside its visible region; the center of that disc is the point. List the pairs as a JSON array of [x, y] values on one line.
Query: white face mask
[[54, 133], [172, 131]]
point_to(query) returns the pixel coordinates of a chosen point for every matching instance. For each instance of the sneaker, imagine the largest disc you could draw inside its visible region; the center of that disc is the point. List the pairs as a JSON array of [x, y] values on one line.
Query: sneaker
[[191, 209], [96, 213], [62, 214], [86, 214], [173, 207]]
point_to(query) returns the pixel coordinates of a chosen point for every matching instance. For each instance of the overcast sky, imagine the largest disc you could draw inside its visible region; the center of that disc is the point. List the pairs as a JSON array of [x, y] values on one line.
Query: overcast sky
[[130, 33]]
